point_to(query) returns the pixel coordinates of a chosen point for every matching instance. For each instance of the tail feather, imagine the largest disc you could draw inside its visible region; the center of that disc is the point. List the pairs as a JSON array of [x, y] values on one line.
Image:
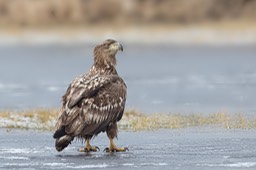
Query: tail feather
[[62, 139], [59, 133], [63, 142]]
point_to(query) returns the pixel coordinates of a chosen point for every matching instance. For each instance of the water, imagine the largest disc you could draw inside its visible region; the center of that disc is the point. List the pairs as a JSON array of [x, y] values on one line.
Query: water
[[192, 148], [160, 78]]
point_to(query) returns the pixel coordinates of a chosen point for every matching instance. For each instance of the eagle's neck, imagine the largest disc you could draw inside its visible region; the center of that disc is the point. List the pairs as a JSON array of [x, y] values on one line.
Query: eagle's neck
[[104, 65], [103, 70]]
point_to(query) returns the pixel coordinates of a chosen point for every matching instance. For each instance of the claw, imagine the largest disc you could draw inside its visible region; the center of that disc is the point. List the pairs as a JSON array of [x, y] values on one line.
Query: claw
[[97, 148], [89, 149], [106, 149], [116, 149]]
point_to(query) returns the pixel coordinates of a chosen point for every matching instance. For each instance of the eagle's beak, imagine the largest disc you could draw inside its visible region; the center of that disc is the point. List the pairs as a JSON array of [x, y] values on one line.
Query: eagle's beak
[[120, 47]]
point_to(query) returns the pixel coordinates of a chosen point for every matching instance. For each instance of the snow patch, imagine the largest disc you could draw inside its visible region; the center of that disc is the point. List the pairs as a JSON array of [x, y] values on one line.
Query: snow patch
[[88, 166], [232, 165], [18, 150], [128, 164], [14, 158], [154, 164], [53, 164], [19, 164]]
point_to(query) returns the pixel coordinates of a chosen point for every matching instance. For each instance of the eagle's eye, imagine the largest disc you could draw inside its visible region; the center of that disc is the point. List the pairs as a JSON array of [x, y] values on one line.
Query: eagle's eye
[[106, 45]]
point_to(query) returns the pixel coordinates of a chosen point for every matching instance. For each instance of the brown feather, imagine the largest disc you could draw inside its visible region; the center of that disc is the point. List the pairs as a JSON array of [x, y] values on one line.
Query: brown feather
[[93, 102]]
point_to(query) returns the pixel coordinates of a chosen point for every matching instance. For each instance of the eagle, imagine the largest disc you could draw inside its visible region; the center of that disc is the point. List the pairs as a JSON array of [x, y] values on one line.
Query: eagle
[[93, 102]]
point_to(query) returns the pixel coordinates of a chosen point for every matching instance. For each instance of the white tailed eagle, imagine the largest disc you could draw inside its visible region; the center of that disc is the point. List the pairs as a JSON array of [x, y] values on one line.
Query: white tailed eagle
[[93, 102]]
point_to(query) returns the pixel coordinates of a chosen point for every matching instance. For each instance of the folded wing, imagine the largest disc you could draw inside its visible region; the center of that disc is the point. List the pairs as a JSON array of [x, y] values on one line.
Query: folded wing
[[90, 104]]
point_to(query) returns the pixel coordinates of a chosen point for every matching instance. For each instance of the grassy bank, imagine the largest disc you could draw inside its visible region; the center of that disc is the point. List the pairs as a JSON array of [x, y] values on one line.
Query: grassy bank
[[44, 119]]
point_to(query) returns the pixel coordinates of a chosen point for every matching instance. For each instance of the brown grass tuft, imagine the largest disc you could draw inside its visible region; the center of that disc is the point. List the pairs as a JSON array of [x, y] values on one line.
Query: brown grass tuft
[[5, 114]]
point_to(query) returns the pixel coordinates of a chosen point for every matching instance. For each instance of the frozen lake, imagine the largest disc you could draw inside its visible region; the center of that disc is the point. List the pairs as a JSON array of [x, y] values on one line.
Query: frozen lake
[[192, 148], [162, 78]]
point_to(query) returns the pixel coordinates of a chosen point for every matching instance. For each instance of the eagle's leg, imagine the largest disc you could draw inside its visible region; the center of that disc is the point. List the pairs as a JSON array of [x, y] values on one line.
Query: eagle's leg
[[114, 148], [112, 133], [88, 147]]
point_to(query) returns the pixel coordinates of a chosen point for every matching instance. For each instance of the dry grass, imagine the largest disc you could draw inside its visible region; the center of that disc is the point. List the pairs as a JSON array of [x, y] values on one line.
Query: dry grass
[[40, 118], [44, 119], [4, 114], [136, 121], [41, 115]]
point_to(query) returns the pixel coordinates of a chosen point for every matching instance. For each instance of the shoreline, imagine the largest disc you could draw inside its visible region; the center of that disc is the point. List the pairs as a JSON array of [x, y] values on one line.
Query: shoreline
[[202, 34], [44, 119]]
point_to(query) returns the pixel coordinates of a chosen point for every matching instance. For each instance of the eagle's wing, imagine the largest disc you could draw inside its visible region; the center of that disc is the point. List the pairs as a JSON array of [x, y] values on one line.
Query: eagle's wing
[[106, 107], [82, 87], [92, 103]]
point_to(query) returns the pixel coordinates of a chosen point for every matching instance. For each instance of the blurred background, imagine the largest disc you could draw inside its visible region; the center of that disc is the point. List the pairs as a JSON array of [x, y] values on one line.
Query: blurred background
[[87, 12], [179, 56]]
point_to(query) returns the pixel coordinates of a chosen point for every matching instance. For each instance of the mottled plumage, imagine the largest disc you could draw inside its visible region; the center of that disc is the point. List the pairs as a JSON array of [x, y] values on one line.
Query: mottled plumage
[[93, 102]]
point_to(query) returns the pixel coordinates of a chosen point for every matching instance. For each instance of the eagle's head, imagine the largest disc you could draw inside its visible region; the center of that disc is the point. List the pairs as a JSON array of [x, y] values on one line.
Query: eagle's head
[[104, 53]]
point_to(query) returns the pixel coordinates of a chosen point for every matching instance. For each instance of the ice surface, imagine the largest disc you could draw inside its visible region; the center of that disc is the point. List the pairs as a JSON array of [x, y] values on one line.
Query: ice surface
[[191, 148]]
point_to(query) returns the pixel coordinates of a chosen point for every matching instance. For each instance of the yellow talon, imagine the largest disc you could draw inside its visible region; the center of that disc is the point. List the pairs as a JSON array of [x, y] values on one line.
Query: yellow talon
[[123, 149], [89, 148], [113, 148]]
